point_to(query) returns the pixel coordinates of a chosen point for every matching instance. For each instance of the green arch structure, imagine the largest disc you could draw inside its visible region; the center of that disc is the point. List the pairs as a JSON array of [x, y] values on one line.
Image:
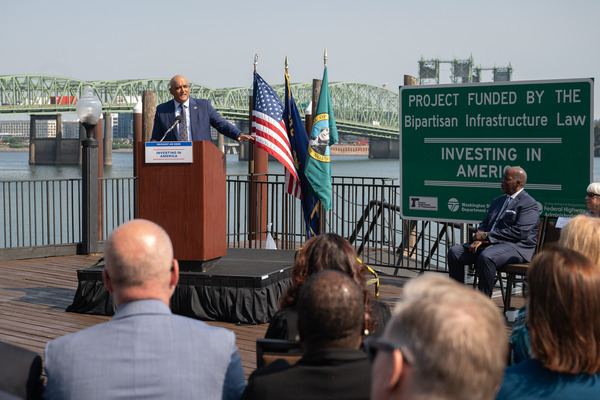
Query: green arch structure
[[360, 109]]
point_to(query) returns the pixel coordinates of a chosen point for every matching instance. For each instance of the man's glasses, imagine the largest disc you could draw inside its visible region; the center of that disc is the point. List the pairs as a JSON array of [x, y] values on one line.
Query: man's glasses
[[592, 195], [373, 345]]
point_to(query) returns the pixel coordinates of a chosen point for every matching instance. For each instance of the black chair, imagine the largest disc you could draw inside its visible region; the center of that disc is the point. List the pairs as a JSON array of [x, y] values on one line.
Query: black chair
[[20, 372], [549, 233], [269, 350]]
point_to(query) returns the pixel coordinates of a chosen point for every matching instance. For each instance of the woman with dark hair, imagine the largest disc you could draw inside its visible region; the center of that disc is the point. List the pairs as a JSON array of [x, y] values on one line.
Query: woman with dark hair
[[327, 251], [563, 308]]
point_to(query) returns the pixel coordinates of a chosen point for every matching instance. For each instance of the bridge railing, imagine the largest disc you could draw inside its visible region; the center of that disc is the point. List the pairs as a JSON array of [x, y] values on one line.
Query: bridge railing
[[43, 217]]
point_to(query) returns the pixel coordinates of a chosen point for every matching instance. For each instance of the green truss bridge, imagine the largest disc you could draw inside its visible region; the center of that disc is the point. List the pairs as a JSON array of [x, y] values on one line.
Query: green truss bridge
[[360, 109]]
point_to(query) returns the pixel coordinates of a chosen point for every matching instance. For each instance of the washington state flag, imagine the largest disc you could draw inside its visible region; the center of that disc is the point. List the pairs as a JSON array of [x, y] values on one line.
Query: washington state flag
[[324, 134]]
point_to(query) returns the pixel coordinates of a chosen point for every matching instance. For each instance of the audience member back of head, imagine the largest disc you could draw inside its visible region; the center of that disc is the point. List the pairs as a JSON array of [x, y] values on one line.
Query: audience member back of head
[[563, 305], [144, 351], [330, 322], [444, 341], [324, 252]]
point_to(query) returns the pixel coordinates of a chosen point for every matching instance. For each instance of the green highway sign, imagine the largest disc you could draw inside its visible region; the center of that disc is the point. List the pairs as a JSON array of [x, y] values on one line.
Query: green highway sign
[[456, 141]]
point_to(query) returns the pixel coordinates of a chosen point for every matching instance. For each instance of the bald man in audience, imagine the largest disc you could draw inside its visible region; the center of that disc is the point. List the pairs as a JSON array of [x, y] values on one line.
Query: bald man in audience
[[444, 341], [331, 320], [144, 351]]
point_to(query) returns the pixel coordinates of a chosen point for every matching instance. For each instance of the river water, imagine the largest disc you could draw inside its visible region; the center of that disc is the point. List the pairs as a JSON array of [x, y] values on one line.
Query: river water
[[15, 166]]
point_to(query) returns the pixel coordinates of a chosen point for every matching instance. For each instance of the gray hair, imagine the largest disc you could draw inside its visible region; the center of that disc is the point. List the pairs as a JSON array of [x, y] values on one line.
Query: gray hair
[[455, 336]]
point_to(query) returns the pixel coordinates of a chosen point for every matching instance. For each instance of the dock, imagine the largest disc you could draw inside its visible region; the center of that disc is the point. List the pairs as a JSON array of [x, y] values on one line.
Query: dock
[[34, 294]]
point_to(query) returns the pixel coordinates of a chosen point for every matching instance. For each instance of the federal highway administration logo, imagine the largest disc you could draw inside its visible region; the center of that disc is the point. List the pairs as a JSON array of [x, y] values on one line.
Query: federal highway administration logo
[[453, 204]]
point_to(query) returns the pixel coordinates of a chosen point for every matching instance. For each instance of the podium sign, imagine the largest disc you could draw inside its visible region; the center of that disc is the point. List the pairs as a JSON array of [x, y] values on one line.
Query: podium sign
[[169, 152]]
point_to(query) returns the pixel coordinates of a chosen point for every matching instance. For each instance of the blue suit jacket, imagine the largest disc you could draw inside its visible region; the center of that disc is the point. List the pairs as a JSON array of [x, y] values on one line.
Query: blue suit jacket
[[519, 223], [145, 352], [202, 117]]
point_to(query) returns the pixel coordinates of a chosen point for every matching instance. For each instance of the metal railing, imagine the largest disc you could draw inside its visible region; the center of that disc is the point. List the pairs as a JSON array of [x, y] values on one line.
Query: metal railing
[[48, 213], [40, 212]]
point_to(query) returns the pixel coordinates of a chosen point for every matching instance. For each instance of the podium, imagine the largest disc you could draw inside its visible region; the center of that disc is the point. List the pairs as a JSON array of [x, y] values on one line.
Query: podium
[[188, 200]]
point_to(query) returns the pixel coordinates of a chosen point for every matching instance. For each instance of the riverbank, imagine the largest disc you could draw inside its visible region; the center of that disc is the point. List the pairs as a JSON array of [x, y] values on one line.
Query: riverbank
[[337, 149], [6, 148]]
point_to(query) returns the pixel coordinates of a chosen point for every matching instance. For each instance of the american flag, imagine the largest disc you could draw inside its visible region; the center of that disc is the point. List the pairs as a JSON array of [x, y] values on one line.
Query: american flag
[[269, 128]]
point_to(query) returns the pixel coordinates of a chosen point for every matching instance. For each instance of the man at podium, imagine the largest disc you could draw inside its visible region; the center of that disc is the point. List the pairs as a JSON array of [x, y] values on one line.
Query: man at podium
[[185, 119]]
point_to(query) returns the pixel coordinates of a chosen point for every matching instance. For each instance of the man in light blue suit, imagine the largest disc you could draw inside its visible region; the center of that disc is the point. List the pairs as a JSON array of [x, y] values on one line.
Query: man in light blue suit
[[144, 352], [507, 235], [197, 116]]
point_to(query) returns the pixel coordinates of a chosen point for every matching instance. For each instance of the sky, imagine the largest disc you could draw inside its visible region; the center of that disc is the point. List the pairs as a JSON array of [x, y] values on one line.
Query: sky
[[376, 42]]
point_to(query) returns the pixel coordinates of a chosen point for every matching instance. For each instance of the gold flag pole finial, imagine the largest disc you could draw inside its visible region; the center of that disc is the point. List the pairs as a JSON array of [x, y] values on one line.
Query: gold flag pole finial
[[325, 58], [255, 61], [286, 64]]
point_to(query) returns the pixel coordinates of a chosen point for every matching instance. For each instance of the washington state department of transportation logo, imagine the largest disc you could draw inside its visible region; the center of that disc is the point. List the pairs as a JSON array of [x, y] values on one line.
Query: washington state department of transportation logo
[[453, 205]]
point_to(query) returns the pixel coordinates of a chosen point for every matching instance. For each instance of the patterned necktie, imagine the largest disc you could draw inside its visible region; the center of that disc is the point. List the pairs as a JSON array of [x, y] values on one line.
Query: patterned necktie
[[183, 133], [504, 207]]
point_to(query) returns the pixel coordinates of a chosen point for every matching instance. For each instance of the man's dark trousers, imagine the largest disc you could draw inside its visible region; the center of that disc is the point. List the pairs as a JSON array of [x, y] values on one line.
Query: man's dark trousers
[[485, 262]]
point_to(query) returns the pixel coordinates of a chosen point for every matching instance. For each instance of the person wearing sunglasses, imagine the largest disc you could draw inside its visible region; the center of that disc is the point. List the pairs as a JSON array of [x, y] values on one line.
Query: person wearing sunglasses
[[444, 341], [592, 199]]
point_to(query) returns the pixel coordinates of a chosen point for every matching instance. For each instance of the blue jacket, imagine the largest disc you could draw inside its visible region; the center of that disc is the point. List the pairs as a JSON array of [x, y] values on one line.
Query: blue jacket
[[145, 352], [519, 223], [202, 117]]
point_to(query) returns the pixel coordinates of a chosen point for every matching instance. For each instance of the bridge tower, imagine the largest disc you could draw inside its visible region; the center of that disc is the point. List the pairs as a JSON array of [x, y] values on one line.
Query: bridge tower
[[461, 71]]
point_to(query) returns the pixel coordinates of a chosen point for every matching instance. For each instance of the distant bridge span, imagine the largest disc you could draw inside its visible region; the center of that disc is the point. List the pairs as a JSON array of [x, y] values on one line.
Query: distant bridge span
[[360, 109]]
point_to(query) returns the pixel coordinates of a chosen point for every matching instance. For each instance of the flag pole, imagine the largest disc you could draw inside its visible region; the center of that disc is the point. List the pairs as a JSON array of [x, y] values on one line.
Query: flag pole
[[251, 101], [258, 176], [325, 58]]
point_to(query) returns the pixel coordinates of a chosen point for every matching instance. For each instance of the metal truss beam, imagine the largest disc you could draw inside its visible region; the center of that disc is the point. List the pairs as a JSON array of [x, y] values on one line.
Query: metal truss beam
[[360, 109]]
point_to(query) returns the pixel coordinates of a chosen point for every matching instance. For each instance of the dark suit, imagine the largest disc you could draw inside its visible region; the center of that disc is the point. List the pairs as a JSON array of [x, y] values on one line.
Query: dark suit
[[513, 240], [20, 372], [202, 117], [331, 374]]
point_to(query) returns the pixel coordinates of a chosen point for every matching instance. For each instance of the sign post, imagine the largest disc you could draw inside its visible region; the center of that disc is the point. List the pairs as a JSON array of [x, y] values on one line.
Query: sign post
[[456, 141]]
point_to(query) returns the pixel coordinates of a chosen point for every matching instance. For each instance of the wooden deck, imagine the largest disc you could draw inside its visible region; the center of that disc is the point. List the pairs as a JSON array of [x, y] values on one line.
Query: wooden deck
[[34, 294]]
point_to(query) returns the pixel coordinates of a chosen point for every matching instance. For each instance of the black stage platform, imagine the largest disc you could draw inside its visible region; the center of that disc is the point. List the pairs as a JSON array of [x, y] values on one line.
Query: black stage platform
[[241, 287]]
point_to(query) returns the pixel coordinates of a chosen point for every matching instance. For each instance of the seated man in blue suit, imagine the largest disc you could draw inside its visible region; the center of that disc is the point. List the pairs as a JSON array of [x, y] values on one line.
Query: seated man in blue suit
[[197, 116], [507, 235], [144, 351]]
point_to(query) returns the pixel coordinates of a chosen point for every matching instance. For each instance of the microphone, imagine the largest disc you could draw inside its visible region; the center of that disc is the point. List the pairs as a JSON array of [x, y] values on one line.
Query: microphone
[[177, 120]]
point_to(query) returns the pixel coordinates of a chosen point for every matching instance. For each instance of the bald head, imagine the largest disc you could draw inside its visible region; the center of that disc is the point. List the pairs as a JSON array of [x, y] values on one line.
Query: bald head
[[179, 88], [514, 180], [139, 261]]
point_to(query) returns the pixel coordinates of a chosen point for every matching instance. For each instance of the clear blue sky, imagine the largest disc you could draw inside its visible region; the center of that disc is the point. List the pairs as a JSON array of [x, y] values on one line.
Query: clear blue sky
[[378, 41]]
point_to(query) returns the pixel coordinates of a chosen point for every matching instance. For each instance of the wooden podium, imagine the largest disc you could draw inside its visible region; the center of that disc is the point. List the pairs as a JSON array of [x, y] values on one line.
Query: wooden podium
[[188, 200]]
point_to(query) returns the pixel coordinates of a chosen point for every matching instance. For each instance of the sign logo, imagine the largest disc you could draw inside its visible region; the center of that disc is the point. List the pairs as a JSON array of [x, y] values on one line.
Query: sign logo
[[540, 207], [453, 205], [423, 203]]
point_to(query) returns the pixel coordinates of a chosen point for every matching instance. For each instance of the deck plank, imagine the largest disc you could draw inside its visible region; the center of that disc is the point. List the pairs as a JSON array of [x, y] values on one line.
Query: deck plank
[[35, 293]]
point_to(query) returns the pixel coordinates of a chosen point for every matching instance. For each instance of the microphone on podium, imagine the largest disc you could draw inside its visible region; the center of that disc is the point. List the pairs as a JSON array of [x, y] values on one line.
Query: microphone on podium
[[177, 120]]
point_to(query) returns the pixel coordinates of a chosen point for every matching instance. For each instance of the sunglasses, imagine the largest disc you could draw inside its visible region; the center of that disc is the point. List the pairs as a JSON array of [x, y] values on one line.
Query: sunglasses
[[373, 345], [592, 195]]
